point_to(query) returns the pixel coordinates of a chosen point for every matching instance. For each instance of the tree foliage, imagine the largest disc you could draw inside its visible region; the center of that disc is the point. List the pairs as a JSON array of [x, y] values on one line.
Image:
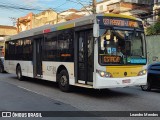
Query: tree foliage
[[157, 27], [154, 29], [151, 30]]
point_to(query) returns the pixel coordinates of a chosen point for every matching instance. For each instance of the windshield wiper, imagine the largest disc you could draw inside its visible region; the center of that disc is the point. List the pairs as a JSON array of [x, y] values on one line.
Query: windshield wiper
[[141, 56]]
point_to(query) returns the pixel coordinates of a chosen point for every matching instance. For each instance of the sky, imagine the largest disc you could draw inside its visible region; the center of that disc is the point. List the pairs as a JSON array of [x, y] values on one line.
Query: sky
[[7, 13]]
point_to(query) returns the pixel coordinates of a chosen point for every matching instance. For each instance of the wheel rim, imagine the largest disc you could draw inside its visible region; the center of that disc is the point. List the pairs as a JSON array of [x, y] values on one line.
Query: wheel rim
[[63, 80]]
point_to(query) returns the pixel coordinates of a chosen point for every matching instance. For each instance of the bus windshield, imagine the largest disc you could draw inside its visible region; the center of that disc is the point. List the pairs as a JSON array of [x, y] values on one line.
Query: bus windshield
[[121, 47]]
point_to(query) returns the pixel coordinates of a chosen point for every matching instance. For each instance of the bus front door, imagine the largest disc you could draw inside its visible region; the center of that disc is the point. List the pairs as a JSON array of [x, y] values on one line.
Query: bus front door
[[84, 56], [37, 61]]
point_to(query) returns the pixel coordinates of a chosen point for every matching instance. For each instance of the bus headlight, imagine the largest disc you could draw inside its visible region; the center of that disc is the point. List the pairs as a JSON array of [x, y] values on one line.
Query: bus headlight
[[143, 72], [104, 73]]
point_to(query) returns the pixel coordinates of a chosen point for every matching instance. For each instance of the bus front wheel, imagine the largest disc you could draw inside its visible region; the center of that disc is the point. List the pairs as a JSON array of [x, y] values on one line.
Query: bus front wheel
[[147, 87], [63, 81], [19, 73]]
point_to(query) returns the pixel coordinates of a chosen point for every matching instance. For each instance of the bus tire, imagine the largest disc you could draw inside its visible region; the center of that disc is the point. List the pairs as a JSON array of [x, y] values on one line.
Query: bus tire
[[19, 73], [147, 87], [63, 81]]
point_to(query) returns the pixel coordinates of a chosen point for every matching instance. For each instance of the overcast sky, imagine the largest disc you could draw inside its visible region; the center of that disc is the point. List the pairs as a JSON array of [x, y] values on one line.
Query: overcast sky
[[6, 12]]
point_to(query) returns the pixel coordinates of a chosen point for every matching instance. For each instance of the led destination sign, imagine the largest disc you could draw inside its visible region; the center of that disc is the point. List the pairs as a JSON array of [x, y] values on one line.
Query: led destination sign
[[109, 21], [115, 22], [110, 59]]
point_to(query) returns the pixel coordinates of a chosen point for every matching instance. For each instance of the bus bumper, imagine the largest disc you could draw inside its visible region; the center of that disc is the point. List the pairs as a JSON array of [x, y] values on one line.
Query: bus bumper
[[102, 83]]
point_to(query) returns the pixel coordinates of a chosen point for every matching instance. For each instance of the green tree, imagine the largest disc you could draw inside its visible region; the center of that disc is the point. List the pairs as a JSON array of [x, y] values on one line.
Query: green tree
[[158, 19], [154, 29], [151, 30], [157, 27]]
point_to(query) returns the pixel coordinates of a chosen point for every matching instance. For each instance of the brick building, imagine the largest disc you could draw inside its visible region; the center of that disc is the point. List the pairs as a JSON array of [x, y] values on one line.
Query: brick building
[[35, 20]]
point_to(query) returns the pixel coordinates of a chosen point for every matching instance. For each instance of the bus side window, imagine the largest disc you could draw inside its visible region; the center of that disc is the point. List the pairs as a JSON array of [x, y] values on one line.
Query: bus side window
[[27, 49], [50, 47], [65, 45]]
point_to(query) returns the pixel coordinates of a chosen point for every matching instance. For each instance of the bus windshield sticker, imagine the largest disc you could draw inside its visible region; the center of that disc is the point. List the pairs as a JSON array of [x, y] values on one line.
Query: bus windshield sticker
[[109, 50], [113, 50]]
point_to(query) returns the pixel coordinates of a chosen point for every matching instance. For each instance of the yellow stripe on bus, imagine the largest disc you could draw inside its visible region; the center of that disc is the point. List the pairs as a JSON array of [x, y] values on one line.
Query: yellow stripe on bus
[[120, 16], [65, 26], [119, 71]]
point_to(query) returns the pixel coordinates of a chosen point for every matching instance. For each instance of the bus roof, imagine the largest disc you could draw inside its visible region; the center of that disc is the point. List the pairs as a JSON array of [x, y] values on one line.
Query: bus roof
[[69, 24], [121, 16]]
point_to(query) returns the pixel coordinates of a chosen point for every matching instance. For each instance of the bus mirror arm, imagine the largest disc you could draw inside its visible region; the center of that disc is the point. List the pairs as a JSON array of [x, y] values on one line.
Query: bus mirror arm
[[96, 30]]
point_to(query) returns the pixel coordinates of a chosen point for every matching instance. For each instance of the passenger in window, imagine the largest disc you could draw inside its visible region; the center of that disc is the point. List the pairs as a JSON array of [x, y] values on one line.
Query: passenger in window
[[119, 51]]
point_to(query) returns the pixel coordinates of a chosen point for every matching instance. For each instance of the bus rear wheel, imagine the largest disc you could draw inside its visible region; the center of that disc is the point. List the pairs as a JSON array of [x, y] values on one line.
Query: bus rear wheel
[[63, 81], [19, 73]]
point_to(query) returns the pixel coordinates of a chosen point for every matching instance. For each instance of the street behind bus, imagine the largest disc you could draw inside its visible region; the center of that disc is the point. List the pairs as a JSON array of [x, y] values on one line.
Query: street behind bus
[[48, 94]]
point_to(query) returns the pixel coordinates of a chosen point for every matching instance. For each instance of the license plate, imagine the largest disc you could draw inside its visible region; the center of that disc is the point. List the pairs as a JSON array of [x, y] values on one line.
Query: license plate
[[126, 81]]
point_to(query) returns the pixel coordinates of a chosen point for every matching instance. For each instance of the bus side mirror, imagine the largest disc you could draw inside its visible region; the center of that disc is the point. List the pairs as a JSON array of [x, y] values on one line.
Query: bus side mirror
[[96, 30]]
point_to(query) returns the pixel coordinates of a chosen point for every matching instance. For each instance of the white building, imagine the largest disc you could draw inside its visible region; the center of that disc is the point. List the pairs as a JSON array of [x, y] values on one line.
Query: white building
[[156, 8], [68, 12], [101, 6]]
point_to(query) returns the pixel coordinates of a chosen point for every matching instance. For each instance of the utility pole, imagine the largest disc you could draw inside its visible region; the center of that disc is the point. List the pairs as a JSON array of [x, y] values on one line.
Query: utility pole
[[18, 25], [57, 18], [94, 6]]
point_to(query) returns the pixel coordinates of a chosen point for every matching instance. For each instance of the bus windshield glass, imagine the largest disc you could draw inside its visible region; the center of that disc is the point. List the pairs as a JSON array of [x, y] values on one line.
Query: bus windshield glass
[[121, 47]]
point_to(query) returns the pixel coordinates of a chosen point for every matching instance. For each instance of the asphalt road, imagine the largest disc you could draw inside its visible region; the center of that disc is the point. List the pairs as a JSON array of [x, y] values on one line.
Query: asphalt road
[[38, 95]]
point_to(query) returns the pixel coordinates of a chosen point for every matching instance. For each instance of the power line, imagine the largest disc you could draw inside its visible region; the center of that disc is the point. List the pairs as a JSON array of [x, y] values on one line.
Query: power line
[[16, 6], [78, 2], [29, 8], [21, 8]]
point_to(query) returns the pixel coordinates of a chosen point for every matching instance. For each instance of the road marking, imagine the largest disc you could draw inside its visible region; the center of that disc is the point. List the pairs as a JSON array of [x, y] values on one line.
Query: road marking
[[28, 90]]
